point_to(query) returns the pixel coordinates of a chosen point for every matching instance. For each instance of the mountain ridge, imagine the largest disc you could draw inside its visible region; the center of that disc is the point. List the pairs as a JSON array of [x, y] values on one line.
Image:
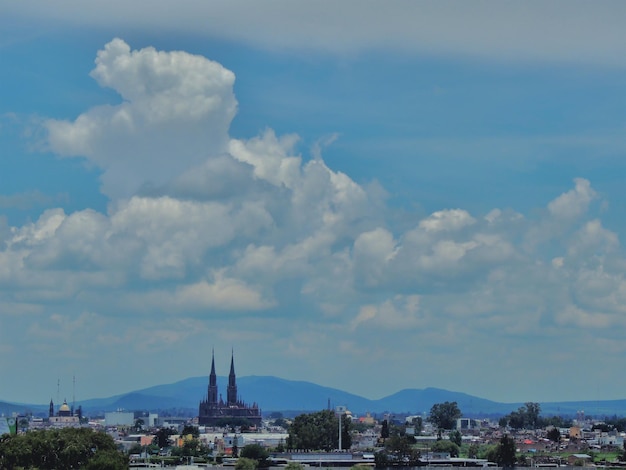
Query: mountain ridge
[[289, 396]]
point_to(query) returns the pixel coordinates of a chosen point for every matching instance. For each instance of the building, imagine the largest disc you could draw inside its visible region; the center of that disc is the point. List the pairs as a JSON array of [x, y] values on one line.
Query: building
[[119, 418], [65, 416], [214, 411]]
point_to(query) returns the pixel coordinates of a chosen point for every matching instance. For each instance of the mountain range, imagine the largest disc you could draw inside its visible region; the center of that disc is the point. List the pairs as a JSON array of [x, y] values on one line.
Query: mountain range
[[293, 397]]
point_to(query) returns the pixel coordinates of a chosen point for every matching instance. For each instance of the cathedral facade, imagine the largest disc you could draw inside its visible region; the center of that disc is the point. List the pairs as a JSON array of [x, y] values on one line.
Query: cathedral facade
[[214, 411]]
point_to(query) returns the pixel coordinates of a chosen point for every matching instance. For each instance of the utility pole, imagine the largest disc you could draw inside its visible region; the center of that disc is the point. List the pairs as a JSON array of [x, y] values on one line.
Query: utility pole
[[340, 410]]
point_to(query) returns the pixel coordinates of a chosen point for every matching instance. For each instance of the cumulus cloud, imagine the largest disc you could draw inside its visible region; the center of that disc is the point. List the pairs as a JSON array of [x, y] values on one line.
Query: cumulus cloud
[[176, 109], [573, 203], [250, 229], [400, 312]]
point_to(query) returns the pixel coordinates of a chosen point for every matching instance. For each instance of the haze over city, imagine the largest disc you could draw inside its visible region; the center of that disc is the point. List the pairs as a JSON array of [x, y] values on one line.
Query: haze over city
[[370, 196]]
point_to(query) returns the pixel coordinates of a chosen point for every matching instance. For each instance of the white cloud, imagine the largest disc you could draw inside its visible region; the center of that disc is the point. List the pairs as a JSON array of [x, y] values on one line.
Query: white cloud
[[401, 312], [453, 219], [248, 230], [573, 203], [176, 110]]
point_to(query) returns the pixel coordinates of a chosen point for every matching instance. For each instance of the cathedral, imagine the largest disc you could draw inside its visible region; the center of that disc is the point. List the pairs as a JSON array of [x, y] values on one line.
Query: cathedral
[[214, 411], [65, 416]]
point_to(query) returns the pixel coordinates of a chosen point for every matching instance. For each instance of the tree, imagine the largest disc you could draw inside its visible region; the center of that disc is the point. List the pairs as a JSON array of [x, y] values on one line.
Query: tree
[[444, 415], [233, 422], [107, 460], [472, 451], [320, 430], [532, 414], [417, 424], [136, 448], [505, 452], [257, 453], [139, 424], [281, 422], [60, 449], [526, 417], [162, 437], [244, 463], [554, 434], [399, 449], [517, 419], [194, 431], [384, 430], [446, 446], [456, 437]]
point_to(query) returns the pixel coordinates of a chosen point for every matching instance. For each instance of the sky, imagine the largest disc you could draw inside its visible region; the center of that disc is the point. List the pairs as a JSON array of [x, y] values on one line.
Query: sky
[[370, 196]]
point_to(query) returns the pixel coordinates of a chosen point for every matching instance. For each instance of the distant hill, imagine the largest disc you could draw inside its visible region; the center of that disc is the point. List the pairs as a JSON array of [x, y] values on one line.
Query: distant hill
[[294, 397]]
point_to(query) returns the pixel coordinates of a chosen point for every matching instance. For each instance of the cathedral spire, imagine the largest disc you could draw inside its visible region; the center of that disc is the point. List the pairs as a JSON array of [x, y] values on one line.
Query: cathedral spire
[[231, 393], [212, 395]]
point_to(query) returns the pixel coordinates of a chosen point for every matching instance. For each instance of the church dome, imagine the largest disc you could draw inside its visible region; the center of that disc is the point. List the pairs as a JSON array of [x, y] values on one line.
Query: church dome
[[64, 410]]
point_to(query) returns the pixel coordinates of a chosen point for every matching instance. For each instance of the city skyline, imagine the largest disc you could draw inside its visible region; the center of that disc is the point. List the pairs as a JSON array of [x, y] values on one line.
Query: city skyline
[[369, 197]]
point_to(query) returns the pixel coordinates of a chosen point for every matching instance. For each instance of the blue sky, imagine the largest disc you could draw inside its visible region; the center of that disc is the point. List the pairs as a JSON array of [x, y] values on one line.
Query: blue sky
[[365, 196]]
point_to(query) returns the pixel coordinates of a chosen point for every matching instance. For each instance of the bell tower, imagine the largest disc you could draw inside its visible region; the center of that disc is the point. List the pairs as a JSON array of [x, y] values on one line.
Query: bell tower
[[231, 393]]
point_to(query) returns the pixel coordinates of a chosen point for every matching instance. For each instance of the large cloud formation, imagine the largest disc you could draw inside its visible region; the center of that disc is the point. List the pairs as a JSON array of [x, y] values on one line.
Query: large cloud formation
[[203, 229], [176, 110]]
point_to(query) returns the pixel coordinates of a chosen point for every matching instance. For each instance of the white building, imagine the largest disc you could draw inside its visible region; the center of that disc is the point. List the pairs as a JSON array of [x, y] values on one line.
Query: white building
[[119, 418]]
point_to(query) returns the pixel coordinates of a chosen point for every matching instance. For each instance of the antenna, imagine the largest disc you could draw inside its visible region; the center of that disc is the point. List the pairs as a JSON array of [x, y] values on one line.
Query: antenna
[[58, 390], [73, 393]]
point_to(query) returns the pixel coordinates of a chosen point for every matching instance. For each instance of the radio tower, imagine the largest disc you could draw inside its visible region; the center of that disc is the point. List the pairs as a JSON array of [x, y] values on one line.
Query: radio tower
[[73, 393]]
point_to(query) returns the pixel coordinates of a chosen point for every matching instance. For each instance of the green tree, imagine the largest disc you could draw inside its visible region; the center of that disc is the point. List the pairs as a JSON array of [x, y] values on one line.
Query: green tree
[[532, 411], [417, 424], [162, 437], [281, 422], [517, 419], [472, 451], [446, 447], [526, 417], [244, 463], [505, 452], [456, 437], [400, 449], [189, 429], [233, 422], [135, 449], [256, 452], [107, 460], [319, 431], [554, 434], [60, 449], [444, 415], [384, 430]]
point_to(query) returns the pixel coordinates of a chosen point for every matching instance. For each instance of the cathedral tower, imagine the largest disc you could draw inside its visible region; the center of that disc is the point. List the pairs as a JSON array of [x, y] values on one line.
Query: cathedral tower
[[231, 392], [212, 395]]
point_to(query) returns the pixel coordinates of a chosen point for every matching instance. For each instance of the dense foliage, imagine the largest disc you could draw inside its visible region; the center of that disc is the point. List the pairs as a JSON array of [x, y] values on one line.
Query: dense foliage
[[61, 449], [319, 431], [446, 446], [504, 452], [444, 415], [244, 463], [257, 453]]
